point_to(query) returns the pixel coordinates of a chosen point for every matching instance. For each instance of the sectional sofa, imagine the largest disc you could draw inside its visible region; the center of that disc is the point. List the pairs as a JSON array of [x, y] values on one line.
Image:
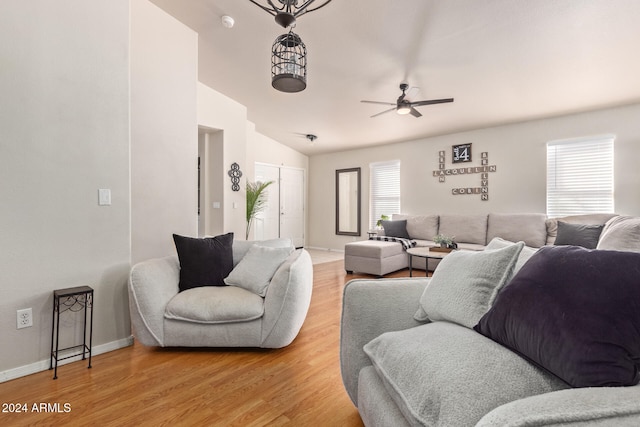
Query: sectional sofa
[[509, 336], [471, 232]]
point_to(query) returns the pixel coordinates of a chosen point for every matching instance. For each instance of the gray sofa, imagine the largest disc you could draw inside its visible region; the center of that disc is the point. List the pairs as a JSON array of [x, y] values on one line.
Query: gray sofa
[[471, 232], [220, 316], [400, 371]]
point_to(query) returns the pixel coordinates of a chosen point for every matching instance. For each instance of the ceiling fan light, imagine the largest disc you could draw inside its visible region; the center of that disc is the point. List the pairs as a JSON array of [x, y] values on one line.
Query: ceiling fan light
[[403, 109]]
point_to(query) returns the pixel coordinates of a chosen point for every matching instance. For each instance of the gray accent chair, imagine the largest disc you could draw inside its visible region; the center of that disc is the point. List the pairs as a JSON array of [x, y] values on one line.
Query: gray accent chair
[[241, 319]]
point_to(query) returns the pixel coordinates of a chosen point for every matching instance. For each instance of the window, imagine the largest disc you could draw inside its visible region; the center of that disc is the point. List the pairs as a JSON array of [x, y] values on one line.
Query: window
[[384, 193], [580, 176]]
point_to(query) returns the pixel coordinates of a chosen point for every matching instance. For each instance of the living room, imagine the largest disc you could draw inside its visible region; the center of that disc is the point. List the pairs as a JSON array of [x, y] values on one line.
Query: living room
[[107, 95]]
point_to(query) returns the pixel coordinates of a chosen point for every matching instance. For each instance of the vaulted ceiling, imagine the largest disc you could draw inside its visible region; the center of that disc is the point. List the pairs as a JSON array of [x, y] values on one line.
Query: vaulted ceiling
[[503, 61]]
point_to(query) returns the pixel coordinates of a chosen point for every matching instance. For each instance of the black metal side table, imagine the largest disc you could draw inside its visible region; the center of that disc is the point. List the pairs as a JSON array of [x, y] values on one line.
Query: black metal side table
[[74, 299]]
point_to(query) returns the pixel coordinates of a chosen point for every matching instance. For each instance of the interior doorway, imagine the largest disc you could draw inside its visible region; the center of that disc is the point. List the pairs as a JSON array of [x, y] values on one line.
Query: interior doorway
[[210, 182], [283, 216]]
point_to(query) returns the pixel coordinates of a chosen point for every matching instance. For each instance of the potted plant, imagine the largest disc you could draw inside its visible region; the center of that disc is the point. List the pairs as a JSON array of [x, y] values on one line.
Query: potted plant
[[445, 241], [382, 218], [256, 201]]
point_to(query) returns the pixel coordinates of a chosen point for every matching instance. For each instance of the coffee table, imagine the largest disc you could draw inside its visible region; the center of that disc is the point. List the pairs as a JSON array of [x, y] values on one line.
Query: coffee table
[[424, 252]]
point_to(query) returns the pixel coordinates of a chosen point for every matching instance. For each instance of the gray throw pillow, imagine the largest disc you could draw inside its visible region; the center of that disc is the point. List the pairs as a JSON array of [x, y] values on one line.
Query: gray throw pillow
[[578, 235], [466, 283], [396, 228], [621, 233], [257, 267], [526, 253], [241, 247]]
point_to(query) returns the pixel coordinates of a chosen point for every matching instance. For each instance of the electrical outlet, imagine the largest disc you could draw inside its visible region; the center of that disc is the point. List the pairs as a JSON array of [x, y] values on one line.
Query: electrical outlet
[[24, 318]]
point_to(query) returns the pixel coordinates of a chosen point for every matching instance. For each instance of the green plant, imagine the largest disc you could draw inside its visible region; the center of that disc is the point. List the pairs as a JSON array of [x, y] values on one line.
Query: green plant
[[444, 241], [256, 201], [382, 218]]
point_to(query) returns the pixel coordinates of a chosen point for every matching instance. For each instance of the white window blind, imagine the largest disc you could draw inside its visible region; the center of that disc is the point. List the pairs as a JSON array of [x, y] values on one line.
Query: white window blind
[[384, 191], [580, 176]]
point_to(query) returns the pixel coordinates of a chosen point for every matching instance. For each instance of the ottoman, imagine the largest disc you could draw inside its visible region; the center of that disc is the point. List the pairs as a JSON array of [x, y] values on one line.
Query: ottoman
[[374, 257]]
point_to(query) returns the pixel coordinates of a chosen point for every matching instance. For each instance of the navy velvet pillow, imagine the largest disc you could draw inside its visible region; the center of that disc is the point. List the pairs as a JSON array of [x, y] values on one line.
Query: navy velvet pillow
[[204, 262], [583, 235], [575, 312], [397, 228]]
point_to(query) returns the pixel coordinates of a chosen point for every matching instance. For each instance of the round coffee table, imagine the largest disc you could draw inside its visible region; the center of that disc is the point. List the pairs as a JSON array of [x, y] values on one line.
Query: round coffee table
[[427, 253]]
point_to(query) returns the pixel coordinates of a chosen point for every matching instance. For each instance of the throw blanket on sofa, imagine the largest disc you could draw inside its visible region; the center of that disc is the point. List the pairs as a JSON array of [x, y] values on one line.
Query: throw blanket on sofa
[[406, 243]]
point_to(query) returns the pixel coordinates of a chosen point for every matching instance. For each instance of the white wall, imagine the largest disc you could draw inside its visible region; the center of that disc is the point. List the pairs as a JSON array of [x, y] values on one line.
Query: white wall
[[64, 133], [100, 95], [164, 131], [262, 149], [218, 112], [519, 185]]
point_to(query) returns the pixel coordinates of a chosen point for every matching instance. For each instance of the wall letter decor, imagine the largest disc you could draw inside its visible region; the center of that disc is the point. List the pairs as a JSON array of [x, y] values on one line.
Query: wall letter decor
[[462, 153]]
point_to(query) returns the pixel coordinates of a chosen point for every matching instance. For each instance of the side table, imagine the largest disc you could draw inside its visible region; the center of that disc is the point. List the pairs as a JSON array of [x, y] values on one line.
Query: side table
[[426, 253], [74, 299]]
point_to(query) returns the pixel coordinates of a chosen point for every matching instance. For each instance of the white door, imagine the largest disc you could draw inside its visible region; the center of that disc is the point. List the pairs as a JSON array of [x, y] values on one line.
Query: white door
[[283, 215], [292, 205], [267, 223]]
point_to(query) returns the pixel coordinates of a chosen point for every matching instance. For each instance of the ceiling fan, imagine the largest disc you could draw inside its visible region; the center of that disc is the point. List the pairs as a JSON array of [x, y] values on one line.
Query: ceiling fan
[[404, 106], [310, 137]]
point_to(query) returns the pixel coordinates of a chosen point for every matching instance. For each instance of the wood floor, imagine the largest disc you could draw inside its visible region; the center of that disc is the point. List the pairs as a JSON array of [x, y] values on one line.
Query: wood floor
[[299, 385]]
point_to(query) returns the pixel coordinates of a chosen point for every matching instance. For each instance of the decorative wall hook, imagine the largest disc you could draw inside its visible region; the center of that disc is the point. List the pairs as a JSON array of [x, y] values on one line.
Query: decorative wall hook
[[235, 173]]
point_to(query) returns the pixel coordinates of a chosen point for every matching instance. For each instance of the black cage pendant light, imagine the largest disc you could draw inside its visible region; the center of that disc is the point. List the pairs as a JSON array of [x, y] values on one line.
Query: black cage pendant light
[[289, 63], [288, 53], [286, 11]]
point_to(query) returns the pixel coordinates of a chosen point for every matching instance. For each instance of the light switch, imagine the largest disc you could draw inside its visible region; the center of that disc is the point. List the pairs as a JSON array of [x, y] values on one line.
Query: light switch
[[104, 197], [216, 205]]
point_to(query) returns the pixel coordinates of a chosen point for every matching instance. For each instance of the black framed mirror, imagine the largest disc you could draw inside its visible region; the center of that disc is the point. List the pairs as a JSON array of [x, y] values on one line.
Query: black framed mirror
[[348, 202]]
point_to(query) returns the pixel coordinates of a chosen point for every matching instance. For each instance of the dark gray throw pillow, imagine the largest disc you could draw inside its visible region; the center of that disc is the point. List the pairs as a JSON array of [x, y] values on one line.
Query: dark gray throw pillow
[[204, 262], [574, 312], [396, 228], [583, 235]]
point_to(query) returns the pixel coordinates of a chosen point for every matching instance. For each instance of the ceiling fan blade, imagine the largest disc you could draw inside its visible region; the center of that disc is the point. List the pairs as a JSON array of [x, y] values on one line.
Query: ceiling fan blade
[[383, 112], [415, 113], [412, 93], [378, 102], [431, 101]]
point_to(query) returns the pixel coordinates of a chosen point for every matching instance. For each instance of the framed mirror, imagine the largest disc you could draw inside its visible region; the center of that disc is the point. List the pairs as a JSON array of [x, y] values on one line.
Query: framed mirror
[[348, 202]]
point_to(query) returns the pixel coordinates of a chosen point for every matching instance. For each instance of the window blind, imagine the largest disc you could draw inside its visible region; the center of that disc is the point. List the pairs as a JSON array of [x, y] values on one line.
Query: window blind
[[580, 176], [384, 191]]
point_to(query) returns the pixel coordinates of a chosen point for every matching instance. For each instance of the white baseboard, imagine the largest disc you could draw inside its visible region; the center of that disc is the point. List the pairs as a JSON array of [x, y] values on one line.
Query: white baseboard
[[323, 249], [43, 365]]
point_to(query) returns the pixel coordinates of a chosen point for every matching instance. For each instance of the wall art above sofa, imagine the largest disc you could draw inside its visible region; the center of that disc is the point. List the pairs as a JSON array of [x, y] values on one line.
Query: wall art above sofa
[[461, 153]]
